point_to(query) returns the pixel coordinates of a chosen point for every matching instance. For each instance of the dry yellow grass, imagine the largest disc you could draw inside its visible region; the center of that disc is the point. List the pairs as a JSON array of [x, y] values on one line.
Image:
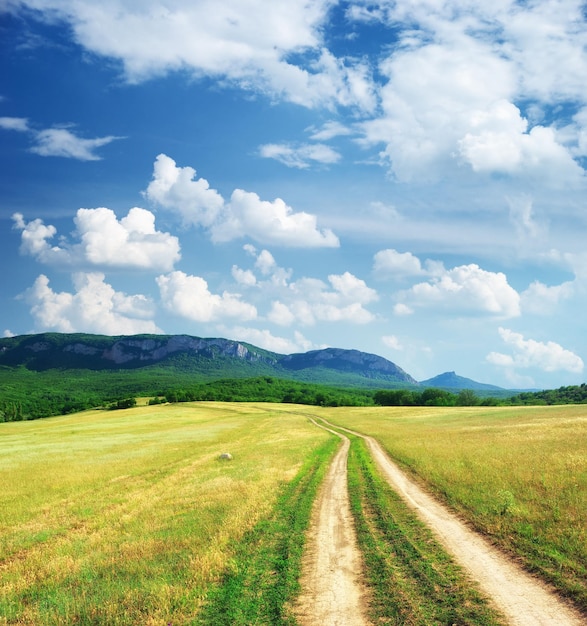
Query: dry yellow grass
[[126, 517]]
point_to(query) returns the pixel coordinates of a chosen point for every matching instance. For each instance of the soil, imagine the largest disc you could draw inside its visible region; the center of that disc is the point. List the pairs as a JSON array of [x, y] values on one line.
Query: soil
[[332, 591]]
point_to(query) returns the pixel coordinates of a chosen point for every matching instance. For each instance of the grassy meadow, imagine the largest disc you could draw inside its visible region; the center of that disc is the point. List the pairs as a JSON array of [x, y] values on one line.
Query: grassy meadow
[[519, 475], [129, 517]]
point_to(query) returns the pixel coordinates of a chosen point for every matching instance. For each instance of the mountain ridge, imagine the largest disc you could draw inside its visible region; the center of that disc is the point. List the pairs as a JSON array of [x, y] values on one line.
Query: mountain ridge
[[209, 359]]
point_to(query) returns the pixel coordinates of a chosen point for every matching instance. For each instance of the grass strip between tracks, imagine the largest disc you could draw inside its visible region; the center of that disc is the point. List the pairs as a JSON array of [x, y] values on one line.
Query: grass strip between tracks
[[261, 581], [413, 581]]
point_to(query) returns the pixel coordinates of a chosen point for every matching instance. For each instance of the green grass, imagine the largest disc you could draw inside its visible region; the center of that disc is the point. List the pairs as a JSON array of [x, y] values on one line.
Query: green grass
[[519, 475], [129, 517]]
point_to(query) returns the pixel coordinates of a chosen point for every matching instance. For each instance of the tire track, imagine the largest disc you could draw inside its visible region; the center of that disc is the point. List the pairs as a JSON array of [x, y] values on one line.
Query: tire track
[[332, 591]]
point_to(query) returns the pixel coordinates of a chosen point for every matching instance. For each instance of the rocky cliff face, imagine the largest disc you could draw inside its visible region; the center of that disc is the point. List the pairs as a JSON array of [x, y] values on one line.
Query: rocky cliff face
[[77, 350], [145, 350]]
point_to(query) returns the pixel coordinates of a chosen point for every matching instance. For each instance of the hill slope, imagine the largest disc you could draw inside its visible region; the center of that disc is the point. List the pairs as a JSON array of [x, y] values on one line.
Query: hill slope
[[452, 381]]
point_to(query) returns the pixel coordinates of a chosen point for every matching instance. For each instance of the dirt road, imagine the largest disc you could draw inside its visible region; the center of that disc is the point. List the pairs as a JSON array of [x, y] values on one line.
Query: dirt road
[[332, 591], [523, 599]]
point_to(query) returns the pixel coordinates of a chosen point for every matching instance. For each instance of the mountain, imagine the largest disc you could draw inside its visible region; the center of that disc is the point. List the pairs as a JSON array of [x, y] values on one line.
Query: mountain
[[451, 381], [351, 361], [200, 359]]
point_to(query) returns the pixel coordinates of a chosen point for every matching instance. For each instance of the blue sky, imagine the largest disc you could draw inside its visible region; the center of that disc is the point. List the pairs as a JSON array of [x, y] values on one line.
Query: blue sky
[[405, 178]]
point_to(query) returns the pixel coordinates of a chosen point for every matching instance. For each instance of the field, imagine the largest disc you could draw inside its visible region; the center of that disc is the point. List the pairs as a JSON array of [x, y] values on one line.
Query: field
[[519, 475], [129, 517], [126, 517]]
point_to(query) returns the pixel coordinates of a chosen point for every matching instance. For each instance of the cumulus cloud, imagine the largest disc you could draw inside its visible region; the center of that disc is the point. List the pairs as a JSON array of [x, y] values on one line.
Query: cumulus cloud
[[265, 339], [247, 44], [541, 299], [310, 300], [243, 277], [177, 188], [130, 242], [300, 156], [390, 262], [481, 62], [273, 223], [105, 241], [190, 297], [245, 215], [528, 353], [499, 141], [281, 314], [94, 307], [465, 289], [34, 240]]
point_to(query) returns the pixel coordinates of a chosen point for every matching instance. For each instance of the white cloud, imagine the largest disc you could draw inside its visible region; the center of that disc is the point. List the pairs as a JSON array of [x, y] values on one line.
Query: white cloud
[[397, 264], [243, 277], [189, 297], [273, 223], [95, 307], [457, 77], [34, 240], [540, 299], [300, 156], [176, 188], [265, 339], [330, 130], [522, 217], [246, 215], [420, 132], [465, 289], [353, 289], [528, 353], [391, 341], [58, 142], [499, 141], [8, 333], [130, 242], [400, 309], [281, 314], [105, 241], [61, 142], [309, 300], [265, 262], [20, 124], [245, 43]]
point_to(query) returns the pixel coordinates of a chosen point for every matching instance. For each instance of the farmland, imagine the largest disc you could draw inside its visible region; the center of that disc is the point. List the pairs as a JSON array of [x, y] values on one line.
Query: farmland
[[130, 516]]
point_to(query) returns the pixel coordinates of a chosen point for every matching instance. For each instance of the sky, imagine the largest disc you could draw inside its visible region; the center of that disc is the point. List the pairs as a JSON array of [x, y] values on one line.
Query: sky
[[406, 178]]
